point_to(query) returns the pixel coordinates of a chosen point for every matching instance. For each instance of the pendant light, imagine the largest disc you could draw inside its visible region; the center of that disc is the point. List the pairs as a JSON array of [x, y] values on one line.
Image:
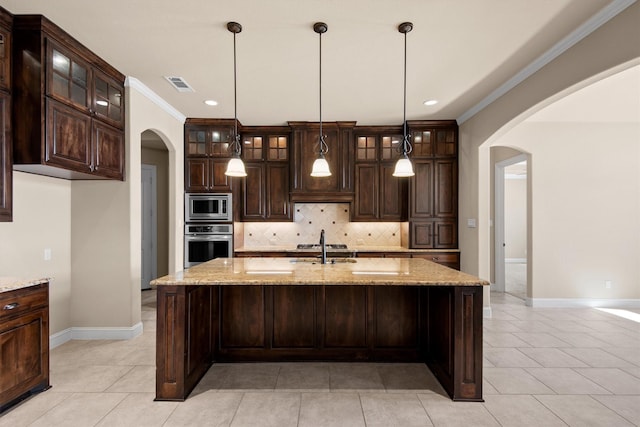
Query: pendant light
[[404, 167], [235, 167], [320, 165]]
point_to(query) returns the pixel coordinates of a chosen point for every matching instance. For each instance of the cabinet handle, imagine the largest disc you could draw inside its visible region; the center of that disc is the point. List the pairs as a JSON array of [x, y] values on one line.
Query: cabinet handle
[[11, 306], [435, 258]]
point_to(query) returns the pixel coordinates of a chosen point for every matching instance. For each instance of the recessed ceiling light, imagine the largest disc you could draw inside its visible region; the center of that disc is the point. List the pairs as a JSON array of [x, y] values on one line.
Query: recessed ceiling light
[[431, 102], [211, 102]]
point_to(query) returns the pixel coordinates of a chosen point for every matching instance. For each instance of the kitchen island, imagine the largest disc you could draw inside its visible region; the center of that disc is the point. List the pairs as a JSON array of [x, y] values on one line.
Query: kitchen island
[[297, 309]]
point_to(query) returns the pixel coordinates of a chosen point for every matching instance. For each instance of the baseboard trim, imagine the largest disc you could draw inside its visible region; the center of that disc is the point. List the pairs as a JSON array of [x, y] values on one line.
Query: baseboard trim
[[82, 333], [581, 303]]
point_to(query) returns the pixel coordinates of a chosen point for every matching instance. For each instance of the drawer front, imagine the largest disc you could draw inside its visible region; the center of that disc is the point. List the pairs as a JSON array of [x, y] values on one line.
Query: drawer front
[[438, 256], [14, 303]]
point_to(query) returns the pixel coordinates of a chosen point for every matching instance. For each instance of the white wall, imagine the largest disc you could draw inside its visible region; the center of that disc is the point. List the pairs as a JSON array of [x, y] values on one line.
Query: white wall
[[586, 207], [41, 220]]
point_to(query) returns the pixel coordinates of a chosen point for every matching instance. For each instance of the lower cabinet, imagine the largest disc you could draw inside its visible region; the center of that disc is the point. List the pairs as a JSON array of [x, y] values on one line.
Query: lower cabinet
[[24, 343]]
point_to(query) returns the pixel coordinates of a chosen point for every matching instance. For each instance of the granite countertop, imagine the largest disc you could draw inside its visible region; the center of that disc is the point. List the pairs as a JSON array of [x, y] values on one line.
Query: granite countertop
[[307, 271], [285, 248], [13, 283]]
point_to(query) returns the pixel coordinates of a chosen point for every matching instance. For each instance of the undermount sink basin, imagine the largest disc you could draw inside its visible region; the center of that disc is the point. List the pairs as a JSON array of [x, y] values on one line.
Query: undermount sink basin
[[318, 246], [329, 260]]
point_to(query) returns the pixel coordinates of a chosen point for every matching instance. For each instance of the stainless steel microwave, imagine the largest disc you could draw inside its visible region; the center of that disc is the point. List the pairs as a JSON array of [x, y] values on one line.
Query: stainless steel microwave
[[209, 207]]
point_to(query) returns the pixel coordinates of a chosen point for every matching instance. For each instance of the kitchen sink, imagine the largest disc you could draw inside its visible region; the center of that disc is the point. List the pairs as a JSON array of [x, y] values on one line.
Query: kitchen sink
[[319, 246], [329, 260]]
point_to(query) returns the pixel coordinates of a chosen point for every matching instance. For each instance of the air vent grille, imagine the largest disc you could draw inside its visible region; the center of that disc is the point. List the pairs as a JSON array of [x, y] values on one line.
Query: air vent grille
[[179, 84]]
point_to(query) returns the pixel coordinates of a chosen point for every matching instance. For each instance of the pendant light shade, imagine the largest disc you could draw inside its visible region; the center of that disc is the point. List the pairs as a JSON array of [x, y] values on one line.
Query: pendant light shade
[[320, 165], [235, 167], [404, 167]]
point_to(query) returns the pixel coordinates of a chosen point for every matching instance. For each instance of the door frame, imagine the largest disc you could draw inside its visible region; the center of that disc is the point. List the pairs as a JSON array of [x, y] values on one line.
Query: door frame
[[152, 171], [499, 219]]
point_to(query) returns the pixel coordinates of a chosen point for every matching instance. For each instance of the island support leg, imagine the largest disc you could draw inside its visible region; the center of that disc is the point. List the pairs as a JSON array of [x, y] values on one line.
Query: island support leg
[[454, 340], [185, 338]]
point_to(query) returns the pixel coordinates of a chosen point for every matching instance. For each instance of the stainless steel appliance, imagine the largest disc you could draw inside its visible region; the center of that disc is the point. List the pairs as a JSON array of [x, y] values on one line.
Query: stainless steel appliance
[[206, 241], [207, 207]]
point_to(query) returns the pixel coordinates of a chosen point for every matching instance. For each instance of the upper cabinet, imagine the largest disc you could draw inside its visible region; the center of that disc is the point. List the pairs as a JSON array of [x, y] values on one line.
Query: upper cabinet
[[68, 105], [433, 191], [265, 189], [6, 159], [335, 188], [379, 196], [207, 143]]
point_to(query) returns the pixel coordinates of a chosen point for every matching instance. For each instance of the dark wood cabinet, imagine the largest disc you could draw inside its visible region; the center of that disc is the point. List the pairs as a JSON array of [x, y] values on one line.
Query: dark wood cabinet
[[6, 141], [339, 187], [379, 196], [201, 325], [433, 191], [24, 343], [207, 143], [68, 105], [265, 190]]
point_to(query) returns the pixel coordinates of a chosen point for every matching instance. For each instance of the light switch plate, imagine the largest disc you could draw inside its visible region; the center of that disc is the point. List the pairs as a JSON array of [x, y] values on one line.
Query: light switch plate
[[471, 223]]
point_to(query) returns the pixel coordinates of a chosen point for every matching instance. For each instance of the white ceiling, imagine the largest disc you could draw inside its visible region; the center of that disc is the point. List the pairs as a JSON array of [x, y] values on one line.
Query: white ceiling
[[458, 52]]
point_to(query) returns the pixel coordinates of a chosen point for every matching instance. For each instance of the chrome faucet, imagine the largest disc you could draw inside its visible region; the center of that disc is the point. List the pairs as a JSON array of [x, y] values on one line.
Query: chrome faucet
[[324, 247]]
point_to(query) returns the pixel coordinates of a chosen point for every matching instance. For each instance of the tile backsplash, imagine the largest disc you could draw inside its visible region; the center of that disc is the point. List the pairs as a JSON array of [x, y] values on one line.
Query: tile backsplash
[[310, 218]]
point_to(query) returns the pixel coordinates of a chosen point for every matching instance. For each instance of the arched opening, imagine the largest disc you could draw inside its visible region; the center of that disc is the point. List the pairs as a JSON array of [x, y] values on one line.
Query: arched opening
[[584, 195], [154, 157]]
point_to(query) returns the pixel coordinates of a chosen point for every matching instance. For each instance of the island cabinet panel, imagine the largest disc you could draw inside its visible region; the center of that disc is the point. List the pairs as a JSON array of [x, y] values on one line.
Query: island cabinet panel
[[242, 317], [397, 317], [294, 317], [185, 335], [345, 316]]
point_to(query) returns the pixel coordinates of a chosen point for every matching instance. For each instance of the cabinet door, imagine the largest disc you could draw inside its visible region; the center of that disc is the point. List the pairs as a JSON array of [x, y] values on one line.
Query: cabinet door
[[6, 172], [421, 190], [108, 99], [445, 234], [446, 188], [218, 181], [277, 197], [5, 59], [24, 351], [365, 205], [421, 235], [253, 192], [393, 195], [68, 138], [196, 175], [108, 151], [68, 77]]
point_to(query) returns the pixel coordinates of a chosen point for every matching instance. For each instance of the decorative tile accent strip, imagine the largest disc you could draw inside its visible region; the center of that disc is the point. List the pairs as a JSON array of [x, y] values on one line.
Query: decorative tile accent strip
[[310, 218]]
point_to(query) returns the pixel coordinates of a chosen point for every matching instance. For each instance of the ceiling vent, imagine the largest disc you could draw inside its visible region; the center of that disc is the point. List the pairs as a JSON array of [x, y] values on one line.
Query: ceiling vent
[[179, 84]]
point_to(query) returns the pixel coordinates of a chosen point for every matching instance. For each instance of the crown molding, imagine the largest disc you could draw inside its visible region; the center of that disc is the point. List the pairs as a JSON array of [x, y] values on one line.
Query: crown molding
[[136, 84]]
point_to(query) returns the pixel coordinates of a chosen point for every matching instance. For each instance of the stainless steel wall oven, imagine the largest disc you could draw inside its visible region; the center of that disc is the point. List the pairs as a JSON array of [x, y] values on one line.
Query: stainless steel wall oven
[[208, 232]]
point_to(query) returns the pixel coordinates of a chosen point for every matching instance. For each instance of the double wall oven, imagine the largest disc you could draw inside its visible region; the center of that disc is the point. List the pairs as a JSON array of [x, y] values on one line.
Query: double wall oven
[[208, 230]]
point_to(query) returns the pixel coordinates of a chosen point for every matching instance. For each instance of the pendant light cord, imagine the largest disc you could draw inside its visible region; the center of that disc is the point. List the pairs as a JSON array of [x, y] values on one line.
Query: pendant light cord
[[237, 147], [323, 145], [406, 145]]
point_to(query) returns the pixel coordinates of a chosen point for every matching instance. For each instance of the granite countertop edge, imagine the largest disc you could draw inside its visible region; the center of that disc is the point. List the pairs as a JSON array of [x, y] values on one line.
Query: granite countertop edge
[[284, 248], [8, 284]]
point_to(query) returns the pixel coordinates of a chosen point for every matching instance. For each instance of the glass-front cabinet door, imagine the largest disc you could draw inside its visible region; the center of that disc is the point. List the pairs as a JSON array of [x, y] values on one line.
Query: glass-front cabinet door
[[67, 77], [108, 101]]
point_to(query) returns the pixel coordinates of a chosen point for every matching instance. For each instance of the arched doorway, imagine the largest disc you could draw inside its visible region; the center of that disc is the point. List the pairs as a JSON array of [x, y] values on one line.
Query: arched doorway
[[155, 207]]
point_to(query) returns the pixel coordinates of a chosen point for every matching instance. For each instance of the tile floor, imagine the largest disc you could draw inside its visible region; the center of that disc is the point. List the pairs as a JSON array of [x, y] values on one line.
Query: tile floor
[[543, 367]]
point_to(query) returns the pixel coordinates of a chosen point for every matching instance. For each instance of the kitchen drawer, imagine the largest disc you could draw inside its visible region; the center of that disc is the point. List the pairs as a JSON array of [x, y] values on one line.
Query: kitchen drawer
[[438, 256], [14, 303]]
